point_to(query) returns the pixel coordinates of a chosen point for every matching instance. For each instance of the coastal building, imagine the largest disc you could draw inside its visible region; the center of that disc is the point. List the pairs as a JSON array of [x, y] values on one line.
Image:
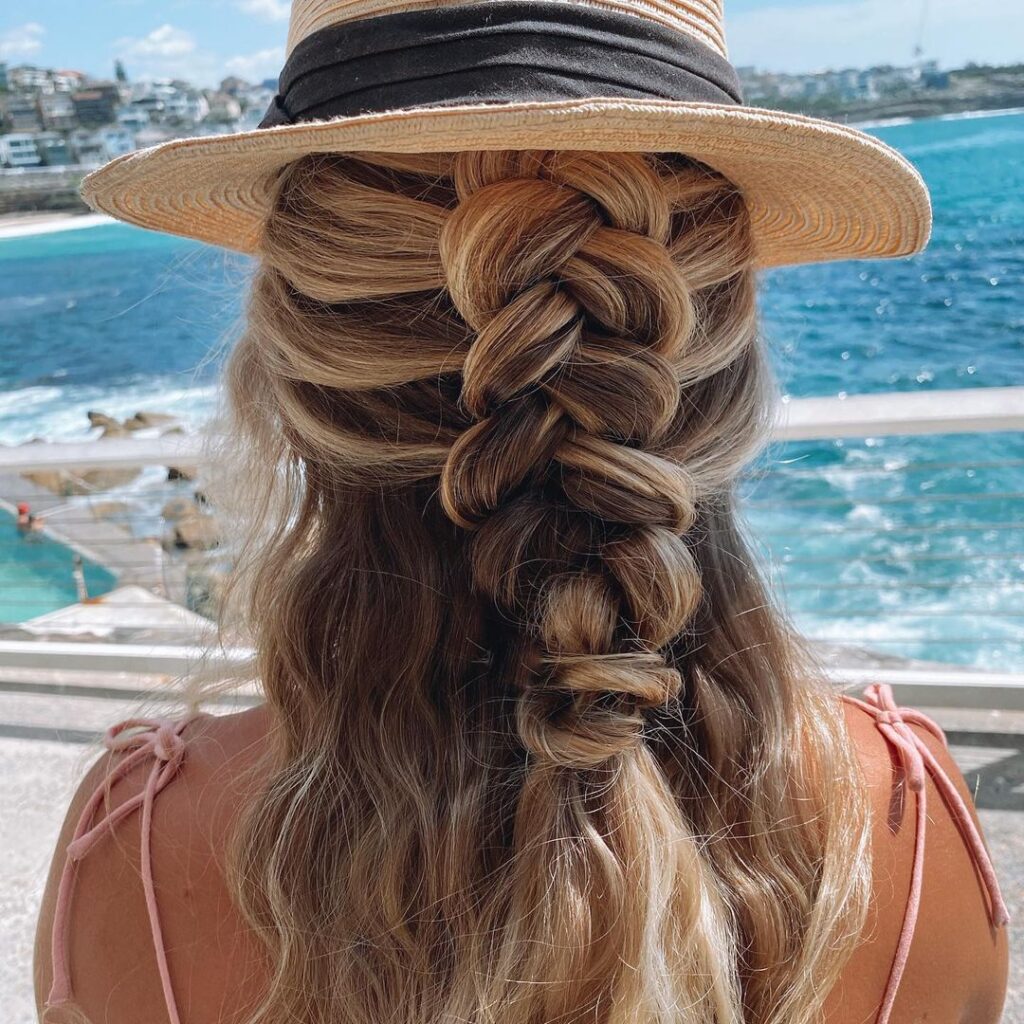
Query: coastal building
[[150, 106], [198, 107], [932, 77], [57, 112], [68, 81], [116, 141], [20, 112], [18, 149], [224, 108], [168, 101], [134, 118], [233, 85], [868, 86], [839, 88], [85, 147], [53, 149], [97, 105], [186, 106], [92, 148], [889, 79], [255, 102], [29, 78]]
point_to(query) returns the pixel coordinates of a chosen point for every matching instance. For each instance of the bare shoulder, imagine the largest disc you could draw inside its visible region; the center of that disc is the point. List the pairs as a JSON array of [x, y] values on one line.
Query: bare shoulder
[[957, 966], [212, 958]]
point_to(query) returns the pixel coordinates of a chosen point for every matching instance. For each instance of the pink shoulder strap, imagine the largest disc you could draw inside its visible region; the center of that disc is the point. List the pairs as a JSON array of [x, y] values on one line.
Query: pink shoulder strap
[[141, 739], [161, 741], [917, 762]]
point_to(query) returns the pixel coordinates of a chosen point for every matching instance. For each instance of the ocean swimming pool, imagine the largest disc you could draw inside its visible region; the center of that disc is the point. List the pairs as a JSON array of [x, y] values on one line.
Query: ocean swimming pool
[[911, 546], [36, 574]]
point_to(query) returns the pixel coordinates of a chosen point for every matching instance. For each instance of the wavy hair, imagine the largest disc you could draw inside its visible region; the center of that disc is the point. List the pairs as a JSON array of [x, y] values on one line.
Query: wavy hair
[[544, 751]]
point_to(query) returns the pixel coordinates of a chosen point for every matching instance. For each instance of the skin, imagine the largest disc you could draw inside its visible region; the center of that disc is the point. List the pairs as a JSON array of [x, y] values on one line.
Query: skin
[[956, 972]]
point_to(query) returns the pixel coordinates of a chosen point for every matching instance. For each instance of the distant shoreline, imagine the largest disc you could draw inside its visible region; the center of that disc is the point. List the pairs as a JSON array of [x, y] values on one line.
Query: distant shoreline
[[960, 115], [24, 225], [44, 222]]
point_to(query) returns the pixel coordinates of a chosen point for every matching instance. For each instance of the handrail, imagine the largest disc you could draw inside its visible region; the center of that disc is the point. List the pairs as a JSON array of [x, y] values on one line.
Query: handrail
[[928, 687], [135, 658], [185, 451], [894, 413]]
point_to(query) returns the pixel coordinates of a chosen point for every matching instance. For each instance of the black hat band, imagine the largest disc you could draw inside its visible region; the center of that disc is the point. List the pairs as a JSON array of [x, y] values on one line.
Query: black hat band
[[496, 52]]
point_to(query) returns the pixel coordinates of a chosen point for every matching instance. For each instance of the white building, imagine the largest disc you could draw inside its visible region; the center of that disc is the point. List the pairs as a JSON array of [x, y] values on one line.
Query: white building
[[57, 111], [133, 118], [256, 100], [67, 81], [115, 142], [167, 100], [85, 147], [97, 147], [53, 149], [198, 108], [28, 78], [224, 109], [18, 149]]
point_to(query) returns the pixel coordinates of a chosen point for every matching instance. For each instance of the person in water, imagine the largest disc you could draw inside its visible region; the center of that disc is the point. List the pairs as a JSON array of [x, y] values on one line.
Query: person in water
[[535, 743]]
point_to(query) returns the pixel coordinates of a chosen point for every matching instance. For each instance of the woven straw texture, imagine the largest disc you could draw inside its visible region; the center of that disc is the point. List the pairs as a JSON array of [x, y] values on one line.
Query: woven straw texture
[[816, 190]]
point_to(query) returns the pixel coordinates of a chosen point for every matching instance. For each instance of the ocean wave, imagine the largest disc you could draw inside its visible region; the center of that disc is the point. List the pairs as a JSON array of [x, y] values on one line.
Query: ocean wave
[[971, 115], [61, 414], [883, 122], [51, 225]]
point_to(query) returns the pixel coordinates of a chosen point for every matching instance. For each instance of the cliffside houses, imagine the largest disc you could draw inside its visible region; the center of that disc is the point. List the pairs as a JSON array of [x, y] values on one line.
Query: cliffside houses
[[64, 118]]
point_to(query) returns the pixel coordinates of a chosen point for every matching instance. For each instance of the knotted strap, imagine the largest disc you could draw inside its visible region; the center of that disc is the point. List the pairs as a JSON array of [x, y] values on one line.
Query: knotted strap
[[917, 762], [141, 739]]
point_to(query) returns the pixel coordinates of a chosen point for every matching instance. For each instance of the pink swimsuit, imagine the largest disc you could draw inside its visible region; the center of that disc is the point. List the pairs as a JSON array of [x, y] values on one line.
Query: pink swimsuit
[[161, 742]]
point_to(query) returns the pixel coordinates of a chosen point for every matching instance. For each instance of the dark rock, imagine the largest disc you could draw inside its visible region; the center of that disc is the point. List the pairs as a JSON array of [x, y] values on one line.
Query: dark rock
[[101, 419], [144, 420]]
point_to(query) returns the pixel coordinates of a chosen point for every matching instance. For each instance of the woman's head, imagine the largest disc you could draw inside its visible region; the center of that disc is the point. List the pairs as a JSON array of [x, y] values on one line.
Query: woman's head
[[547, 751]]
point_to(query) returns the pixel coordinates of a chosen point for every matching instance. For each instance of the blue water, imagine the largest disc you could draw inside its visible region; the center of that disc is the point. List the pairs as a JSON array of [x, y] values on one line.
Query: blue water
[[37, 574], [912, 546]]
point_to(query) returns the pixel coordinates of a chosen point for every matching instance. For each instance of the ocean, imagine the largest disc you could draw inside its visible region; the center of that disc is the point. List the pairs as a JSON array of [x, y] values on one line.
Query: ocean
[[909, 546]]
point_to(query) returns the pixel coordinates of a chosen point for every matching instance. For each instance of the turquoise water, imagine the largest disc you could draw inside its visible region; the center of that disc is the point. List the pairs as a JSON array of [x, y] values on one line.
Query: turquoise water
[[912, 545], [36, 574]]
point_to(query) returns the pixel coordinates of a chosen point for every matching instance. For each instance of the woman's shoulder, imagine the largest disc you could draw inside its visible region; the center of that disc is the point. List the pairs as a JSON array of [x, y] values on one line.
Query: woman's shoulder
[[139, 869], [942, 936], [210, 758], [206, 764]]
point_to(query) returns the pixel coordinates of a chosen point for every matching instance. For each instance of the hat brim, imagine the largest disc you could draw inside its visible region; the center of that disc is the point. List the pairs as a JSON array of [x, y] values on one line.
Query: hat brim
[[816, 190]]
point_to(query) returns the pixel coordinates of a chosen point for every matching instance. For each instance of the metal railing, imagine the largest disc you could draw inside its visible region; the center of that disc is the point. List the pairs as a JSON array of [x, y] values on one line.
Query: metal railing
[[899, 563]]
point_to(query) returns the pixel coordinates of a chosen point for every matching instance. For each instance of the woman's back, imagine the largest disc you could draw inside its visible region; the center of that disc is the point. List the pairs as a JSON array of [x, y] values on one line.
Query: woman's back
[[216, 970]]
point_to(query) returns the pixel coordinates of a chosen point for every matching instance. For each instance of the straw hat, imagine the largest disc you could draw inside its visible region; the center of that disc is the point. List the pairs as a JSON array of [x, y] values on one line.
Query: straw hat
[[626, 75]]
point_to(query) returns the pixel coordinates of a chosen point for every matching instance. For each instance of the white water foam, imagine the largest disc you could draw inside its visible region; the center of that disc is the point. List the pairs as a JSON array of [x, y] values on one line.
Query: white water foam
[[60, 414], [970, 115], [19, 228]]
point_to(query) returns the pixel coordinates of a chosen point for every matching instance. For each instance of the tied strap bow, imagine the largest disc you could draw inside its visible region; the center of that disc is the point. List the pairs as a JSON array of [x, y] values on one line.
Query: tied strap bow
[[917, 762], [140, 740]]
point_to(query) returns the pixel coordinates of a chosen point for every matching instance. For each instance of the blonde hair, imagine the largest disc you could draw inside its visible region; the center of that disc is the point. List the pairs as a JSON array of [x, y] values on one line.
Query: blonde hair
[[544, 750]]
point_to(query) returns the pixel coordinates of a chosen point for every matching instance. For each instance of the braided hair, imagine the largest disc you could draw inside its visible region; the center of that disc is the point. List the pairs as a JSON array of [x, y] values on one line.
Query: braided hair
[[538, 719]]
